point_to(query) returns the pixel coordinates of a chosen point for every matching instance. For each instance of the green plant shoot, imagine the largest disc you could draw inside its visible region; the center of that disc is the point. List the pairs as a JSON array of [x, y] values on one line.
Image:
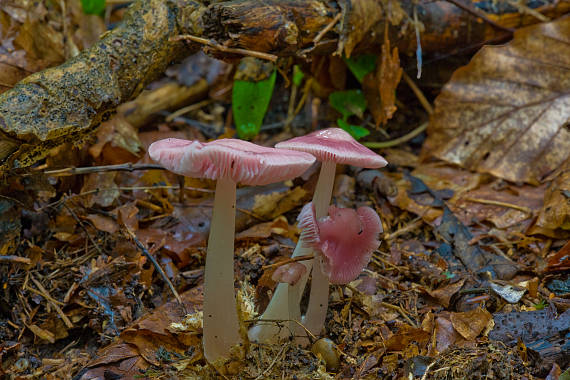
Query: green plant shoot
[[361, 65], [93, 7], [250, 101]]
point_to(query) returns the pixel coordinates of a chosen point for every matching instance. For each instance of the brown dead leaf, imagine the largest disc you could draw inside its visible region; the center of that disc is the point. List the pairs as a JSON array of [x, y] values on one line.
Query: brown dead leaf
[[103, 223], [363, 14], [406, 335], [560, 260], [380, 86], [505, 112], [555, 214], [279, 226], [471, 323], [444, 293], [117, 141], [445, 334], [103, 187]]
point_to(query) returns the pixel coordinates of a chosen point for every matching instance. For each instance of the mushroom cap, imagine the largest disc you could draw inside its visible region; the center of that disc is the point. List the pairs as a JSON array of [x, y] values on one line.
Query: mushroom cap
[[346, 238], [334, 144], [239, 160]]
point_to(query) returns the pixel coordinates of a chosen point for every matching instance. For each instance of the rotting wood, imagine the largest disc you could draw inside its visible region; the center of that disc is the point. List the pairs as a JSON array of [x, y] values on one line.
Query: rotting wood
[[66, 103]]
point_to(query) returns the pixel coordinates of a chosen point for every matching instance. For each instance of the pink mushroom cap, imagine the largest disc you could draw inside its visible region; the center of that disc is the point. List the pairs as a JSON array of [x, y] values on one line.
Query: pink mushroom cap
[[346, 238], [334, 144], [239, 160]]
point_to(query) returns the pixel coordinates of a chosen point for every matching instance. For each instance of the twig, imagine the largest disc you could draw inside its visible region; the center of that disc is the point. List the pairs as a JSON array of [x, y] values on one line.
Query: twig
[[129, 167], [419, 94], [190, 108], [476, 12], [83, 228], [399, 140], [126, 188], [215, 45], [400, 311], [158, 268], [5, 259], [424, 377], [411, 226], [326, 29], [288, 261], [524, 209], [523, 8], [49, 298]]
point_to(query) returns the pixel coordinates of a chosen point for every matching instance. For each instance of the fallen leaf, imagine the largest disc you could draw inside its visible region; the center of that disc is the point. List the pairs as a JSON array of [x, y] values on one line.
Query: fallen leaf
[[508, 107], [380, 86], [363, 14], [471, 323], [559, 260], [554, 218], [444, 293]]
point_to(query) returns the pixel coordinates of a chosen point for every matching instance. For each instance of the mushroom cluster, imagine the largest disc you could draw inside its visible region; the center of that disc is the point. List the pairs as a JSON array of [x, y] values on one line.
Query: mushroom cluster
[[330, 146], [342, 239]]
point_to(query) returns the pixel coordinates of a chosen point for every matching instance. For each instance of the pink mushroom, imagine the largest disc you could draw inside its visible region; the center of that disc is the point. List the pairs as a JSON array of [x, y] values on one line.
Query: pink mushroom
[[331, 146], [346, 238], [228, 161]]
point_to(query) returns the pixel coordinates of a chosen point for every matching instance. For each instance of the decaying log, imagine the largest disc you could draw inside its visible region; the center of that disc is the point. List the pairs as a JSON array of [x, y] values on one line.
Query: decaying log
[[67, 102]]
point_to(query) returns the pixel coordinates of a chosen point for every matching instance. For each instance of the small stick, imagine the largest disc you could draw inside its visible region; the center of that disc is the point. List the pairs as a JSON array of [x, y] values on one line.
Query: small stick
[[476, 12], [400, 311], [4, 259], [158, 268], [288, 261], [215, 45], [278, 321], [399, 140], [524, 209], [49, 298], [129, 167], [419, 94], [325, 30]]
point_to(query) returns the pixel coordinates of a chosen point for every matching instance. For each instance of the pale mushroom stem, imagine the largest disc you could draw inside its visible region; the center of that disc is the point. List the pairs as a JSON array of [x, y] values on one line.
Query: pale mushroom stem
[[314, 319], [221, 323], [285, 303]]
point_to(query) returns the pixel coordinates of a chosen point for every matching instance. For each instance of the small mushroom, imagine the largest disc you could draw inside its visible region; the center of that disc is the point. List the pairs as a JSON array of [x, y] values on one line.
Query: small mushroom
[[331, 146], [228, 161], [346, 239]]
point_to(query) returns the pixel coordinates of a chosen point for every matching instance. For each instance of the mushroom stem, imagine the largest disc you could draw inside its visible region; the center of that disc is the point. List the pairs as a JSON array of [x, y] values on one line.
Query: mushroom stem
[[285, 303], [314, 319], [221, 323]]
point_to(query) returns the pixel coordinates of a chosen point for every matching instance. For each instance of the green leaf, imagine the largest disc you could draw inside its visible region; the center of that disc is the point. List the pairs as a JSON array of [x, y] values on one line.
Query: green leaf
[[361, 65], [93, 7], [298, 75], [348, 103], [250, 101], [355, 131]]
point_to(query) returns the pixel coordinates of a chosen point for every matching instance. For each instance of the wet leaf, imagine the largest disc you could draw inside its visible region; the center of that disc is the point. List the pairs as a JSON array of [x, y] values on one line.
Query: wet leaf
[[93, 7], [355, 131], [380, 86], [363, 14], [559, 260], [508, 292], [250, 100], [471, 323], [348, 103], [443, 294], [361, 65], [505, 113]]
